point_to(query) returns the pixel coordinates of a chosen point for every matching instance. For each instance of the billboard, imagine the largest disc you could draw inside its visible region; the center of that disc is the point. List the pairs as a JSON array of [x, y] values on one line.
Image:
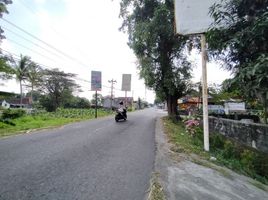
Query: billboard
[[95, 81], [126, 82], [192, 16]]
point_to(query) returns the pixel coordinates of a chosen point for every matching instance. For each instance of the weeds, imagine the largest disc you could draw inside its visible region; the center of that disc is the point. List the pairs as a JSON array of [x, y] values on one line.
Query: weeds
[[227, 152]]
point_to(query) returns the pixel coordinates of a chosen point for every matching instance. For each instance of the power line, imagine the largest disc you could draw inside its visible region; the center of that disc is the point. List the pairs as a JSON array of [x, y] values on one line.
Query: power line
[[49, 45], [18, 35], [47, 67], [13, 41], [34, 12]]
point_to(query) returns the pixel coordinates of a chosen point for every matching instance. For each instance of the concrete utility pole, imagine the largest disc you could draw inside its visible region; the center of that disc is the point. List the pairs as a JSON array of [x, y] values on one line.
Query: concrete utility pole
[[112, 90], [205, 92]]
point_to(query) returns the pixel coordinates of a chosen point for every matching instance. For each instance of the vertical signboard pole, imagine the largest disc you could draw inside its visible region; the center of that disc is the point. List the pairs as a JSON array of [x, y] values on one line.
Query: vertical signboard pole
[[125, 98], [205, 92], [96, 86], [96, 104]]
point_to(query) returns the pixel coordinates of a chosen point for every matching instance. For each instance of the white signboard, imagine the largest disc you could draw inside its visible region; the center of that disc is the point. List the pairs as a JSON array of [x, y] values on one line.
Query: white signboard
[[126, 82], [192, 16], [95, 81]]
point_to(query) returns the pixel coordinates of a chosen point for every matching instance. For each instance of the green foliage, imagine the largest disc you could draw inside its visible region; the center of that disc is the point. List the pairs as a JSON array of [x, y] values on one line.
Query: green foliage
[[43, 119], [240, 40], [228, 153], [3, 9], [161, 54], [58, 87], [12, 113]]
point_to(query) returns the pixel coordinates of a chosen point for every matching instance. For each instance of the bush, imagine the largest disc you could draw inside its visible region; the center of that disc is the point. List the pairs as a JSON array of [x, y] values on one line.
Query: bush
[[217, 141], [12, 113]]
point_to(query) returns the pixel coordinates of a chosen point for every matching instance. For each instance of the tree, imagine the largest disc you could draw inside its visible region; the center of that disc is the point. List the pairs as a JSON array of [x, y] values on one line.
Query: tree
[[240, 40], [6, 70], [3, 9], [99, 100], [33, 76], [58, 87], [161, 55], [21, 70]]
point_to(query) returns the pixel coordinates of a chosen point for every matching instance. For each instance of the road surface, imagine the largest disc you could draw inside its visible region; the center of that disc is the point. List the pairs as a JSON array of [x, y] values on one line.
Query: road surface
[[97, 159]]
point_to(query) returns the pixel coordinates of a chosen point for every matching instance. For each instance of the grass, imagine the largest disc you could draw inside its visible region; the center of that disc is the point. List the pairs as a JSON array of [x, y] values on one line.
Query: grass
[[228, 153], [156, 190], [48, 120]]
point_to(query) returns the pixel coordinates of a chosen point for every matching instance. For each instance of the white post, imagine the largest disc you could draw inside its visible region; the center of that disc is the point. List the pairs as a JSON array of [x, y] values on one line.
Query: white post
[[205, 92]]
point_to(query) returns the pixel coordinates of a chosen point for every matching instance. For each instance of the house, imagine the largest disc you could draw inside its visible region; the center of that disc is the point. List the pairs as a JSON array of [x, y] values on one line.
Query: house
[[189, 104], [4, 104], [26, 103]]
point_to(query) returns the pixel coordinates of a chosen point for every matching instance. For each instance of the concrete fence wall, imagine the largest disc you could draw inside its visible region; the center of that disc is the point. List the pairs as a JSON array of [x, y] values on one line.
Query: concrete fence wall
[[250, 134]]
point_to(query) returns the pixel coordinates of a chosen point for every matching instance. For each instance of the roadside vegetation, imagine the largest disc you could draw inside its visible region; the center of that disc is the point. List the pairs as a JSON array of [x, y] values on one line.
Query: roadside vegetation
[[156, 190], [187, 138], [14, 121]]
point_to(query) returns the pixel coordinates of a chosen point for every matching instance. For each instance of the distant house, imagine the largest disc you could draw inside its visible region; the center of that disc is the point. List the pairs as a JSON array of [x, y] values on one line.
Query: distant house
[[114, 103], [4, 104], [26, 103], [190, 104]]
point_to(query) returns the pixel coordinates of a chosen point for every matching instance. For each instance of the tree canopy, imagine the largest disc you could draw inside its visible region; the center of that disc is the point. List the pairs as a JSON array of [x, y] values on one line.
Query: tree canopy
[[58, 86], [161, 54], [240, 40]]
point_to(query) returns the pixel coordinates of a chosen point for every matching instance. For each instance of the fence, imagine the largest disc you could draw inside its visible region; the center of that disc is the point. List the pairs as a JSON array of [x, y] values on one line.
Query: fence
[[251, 134]]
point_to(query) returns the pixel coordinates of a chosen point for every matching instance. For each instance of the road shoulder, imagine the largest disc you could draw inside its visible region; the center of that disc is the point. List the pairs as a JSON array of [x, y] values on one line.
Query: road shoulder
[[189, 177]]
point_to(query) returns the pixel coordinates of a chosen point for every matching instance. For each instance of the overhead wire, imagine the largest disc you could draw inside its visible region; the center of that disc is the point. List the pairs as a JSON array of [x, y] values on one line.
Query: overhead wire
[[47, 67], [17, 43], [45, 43], [24, 38], [34, 12]]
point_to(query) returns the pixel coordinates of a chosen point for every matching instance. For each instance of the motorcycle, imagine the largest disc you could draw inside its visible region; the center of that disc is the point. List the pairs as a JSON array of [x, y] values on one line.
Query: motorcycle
[[121, 114]]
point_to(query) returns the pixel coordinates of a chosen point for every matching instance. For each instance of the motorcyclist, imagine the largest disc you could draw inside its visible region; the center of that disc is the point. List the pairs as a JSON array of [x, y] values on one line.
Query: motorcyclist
[[122, 109]]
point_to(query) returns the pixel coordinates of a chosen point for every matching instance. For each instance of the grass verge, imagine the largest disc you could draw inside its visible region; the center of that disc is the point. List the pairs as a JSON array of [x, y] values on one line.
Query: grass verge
[[228, 153], [47, 120]]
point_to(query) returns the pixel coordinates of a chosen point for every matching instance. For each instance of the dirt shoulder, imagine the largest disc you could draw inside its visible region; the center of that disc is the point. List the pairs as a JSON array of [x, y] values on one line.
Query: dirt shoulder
[[191, 178]]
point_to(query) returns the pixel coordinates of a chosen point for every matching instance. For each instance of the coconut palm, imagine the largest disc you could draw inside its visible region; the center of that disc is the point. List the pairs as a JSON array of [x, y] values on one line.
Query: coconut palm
[[21, 69]]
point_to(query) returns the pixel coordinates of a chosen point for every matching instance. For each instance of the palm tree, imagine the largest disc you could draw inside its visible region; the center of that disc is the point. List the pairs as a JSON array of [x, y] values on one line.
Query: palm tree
[[33, 75], [21, 69]]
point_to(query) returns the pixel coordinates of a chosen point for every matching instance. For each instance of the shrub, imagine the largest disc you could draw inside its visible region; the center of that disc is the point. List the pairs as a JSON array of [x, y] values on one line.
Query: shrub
[[247, 159], [192, 126], [12, 113], [217, 141], [229, 150]]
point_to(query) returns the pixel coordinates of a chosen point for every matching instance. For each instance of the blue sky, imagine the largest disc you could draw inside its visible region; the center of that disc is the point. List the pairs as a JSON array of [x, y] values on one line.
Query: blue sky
[[85, 30]]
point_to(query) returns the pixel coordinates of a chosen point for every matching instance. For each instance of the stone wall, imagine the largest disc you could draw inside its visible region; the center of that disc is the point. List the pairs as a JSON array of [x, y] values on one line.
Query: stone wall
[[250, 134]]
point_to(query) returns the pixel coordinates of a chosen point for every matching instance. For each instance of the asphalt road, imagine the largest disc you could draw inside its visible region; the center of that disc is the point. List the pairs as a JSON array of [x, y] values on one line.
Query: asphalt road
[[97, 159]]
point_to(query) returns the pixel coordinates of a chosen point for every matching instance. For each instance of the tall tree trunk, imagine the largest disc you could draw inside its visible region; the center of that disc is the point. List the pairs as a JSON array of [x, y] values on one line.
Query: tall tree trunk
[[20, 94], [172, 105]]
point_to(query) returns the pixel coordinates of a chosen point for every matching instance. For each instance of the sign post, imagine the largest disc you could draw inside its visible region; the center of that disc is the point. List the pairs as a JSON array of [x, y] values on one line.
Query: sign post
[[96, 86], [192, 17]]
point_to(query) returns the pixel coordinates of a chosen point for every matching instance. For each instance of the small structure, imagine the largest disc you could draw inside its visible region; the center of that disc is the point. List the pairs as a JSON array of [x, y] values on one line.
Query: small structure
[[4, 104], [26, 103]]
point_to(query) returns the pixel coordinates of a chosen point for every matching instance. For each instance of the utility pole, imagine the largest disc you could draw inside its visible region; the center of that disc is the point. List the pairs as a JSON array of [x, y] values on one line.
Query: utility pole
[[112, 90]]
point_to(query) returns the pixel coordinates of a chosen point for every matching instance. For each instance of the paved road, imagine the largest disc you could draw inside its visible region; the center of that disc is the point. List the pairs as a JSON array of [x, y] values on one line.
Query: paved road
[[97, 159]]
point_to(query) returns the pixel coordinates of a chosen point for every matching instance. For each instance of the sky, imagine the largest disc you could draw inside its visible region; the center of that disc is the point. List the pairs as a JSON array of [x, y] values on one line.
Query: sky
[[85, 37]]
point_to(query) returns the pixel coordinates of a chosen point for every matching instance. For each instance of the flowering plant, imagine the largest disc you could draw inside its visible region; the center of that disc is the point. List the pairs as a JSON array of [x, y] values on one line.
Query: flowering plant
[[192, 126]]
